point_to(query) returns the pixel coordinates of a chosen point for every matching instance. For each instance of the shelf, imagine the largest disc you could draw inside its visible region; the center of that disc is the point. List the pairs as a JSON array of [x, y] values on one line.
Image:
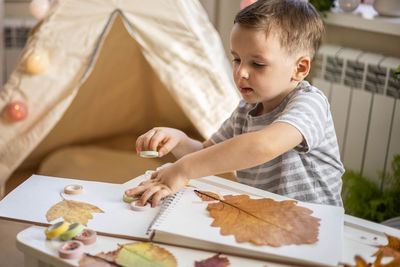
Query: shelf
[[364, 18]]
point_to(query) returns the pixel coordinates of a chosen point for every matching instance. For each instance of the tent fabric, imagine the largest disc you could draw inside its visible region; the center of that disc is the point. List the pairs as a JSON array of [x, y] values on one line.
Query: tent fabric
[[116, 66]]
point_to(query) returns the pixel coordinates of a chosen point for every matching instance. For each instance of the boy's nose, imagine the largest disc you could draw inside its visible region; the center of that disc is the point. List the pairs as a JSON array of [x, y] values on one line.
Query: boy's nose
[[243, 73]]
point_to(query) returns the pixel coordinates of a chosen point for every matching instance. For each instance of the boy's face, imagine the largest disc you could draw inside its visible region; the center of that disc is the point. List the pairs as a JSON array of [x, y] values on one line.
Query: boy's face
[[262, 69]]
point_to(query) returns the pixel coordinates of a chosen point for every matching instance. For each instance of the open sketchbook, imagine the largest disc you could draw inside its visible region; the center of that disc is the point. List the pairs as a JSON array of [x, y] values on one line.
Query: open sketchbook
[[179, 220]]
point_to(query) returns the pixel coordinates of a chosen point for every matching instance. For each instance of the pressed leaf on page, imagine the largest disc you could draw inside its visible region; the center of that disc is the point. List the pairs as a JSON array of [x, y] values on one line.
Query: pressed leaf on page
[[145, 254], [214, 261], [72, 211], [262, 221]]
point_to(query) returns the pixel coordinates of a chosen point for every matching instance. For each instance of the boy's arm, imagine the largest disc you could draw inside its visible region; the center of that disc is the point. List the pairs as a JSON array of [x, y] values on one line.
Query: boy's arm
[[240, 152], [186, 146], [243, 151], [189, 145]]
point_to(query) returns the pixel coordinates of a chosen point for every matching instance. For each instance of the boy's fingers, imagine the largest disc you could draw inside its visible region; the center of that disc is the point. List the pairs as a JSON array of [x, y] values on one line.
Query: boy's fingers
[[138, 145], [148, 193], [135, 191], [144, 183], [162, 193], [154, 175], [165, 148], [147, 138], [156, 140]]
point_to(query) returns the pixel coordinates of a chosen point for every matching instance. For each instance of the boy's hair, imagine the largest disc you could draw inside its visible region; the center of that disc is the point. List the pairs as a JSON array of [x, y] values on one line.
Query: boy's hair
[[298, 23]]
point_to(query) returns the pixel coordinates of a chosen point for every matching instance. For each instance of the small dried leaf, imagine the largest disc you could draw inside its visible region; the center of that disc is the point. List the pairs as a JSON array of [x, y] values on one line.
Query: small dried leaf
[[99, 260], [391, 249], [360, 262], [214, 261], [145, 254], [389, 252], [72, 211], [393, 263], [262, 221], [393, 242]]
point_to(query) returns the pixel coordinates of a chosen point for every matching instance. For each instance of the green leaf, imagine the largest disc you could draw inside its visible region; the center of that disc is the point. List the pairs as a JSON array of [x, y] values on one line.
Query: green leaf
[[322, 6], [145, 255]]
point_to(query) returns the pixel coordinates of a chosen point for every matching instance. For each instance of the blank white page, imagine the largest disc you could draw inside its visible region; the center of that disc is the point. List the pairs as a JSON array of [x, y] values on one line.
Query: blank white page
[[31, 200]]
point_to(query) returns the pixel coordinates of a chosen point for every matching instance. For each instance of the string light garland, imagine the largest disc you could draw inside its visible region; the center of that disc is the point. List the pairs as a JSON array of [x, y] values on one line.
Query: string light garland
[[37, 62], [348, 5], [16, 111], [245, 3], [39, 8]]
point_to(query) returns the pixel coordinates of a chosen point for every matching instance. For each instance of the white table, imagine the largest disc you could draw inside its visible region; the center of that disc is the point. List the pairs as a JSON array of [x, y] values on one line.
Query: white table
[[39, 252], [360, 238]]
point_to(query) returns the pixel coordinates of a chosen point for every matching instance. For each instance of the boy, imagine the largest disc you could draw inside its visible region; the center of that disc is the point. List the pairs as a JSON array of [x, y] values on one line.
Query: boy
[[281, 137]]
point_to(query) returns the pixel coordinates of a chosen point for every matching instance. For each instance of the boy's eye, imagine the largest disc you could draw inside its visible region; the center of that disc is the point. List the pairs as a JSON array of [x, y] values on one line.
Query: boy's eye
[[236, 60], [258, 65]]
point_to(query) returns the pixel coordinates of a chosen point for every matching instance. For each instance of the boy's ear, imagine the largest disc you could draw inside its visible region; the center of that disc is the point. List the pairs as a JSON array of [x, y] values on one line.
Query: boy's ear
[[302, 68]]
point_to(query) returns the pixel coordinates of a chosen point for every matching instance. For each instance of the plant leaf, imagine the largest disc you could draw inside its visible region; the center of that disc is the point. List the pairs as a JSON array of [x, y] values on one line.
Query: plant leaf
[[262, 221], [214, 261], [145, 254], [72, 211]]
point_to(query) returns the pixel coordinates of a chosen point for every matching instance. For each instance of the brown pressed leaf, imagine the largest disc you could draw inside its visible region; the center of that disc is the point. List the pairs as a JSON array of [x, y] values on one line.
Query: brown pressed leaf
[[262, 221], [72, 211], [214, 261]]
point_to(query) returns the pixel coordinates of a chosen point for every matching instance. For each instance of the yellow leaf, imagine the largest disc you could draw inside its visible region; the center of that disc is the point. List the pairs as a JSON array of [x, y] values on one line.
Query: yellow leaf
[[72, 211], [145, 254], [262, 221]]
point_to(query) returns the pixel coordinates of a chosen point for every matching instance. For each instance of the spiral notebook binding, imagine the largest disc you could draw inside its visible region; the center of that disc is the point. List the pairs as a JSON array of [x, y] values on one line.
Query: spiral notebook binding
[[167, 205]]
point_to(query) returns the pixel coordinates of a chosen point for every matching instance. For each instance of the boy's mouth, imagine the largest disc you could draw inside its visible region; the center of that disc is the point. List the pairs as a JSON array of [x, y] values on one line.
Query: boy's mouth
[[245, 90]]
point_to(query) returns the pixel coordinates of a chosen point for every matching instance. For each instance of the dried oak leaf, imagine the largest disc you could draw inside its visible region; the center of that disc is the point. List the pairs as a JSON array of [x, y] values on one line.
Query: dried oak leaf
[[72, 211], [392, 249], [145, 254], [393, 263], [214, 261], [262, 221], [360, 262]]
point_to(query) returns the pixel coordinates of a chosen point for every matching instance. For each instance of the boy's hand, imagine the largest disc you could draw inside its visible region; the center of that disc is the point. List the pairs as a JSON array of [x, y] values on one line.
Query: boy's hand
[[161, 139], [162, 183]]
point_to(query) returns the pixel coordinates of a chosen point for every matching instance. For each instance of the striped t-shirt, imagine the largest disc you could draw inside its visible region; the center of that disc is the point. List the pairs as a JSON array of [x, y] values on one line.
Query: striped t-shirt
[[312, 171]]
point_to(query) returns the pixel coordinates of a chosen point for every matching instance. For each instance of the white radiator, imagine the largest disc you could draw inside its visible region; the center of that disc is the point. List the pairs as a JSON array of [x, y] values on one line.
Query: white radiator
[[16, 32], [365, 105]]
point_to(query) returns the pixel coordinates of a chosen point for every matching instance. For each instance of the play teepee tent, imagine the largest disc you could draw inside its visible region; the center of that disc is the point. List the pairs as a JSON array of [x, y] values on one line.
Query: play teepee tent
[[110, 70]]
